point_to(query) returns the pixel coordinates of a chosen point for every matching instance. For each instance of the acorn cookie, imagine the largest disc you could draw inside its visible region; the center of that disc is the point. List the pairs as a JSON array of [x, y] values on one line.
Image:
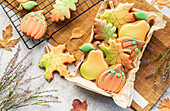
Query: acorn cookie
[[34, 25]]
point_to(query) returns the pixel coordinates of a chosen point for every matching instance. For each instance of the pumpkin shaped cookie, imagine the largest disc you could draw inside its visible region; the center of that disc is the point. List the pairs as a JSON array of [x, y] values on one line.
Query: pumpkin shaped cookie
[[34, 25], [134, 45], [113, 79]]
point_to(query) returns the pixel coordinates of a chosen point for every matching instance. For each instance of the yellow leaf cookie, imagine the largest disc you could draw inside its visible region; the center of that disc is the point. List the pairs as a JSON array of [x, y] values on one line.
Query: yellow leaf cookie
[[118, 15]]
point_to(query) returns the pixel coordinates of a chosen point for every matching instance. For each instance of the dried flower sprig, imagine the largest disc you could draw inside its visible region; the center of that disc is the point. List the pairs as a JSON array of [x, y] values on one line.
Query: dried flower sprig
[[12, 93], [163, 67]]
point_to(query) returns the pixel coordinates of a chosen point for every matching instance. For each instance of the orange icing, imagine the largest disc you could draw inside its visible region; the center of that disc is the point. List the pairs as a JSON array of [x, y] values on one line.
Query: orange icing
[[110, 81], [138, 29], [127, 43], [34, 25]]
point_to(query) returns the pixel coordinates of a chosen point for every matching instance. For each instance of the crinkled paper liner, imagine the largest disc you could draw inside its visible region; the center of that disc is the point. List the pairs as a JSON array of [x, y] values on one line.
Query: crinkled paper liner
[[125, 96]]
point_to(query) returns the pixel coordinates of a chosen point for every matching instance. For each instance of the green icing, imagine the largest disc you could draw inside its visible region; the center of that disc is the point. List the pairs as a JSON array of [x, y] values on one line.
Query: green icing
[[42, 17], [33, 19], [122, 80], [38, 18], [112, 71], [123, 73], [29, 4], [141, 15], [118, 75], [136, 50], [133, 42], [32, 14], [112, 76], [87, 47]]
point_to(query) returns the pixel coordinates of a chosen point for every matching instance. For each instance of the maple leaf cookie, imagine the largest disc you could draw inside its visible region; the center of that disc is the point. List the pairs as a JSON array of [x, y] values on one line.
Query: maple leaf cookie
[[55, 60], [115, 54], [34, 25], [62, 10], [118, 15]]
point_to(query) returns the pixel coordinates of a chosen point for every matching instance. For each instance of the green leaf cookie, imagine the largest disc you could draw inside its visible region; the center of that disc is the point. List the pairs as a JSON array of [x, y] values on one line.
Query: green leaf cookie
[[29, 5], [104, 31], [141, 15], [87, 47]]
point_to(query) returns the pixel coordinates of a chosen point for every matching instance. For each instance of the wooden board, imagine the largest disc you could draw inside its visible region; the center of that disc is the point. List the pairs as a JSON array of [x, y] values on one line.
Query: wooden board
[[158, 42]]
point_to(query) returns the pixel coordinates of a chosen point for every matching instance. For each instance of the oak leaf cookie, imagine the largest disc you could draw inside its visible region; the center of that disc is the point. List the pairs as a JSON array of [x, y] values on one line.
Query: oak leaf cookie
[[118, 15], [26, 4], [34, 25], [104, 31], [55, 60], [62, 10]]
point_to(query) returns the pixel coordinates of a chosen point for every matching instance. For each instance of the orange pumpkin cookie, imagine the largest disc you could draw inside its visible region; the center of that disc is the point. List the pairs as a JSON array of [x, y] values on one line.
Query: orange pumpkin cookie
[[134, 45], [34, 25], [138, 29], [113, 79], [118, 15]]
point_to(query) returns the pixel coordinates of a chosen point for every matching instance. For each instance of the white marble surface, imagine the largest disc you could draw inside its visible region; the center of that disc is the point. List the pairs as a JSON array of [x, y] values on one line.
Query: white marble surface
[[67, 91]]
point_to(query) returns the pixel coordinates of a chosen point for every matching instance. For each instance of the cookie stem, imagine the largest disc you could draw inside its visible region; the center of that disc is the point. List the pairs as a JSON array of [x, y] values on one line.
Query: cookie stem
[[111, 5]]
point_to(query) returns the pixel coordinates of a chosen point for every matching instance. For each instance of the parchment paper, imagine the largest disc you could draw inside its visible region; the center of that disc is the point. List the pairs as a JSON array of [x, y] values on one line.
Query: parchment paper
[[125, 96]]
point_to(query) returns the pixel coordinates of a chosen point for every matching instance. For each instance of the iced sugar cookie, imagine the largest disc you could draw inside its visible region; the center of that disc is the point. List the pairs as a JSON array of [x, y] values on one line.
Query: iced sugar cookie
[[115, 54], [94, 65], [34, 25], [62, 9], [140, 16], [113, 79], [104, 31], [26, 4], [138, 29], [118, 15], [134, 45]]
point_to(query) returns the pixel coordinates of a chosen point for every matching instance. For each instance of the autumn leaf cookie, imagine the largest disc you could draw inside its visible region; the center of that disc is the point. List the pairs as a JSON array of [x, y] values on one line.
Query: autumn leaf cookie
[[118, 15], [115, 54], [26, 4], [55, 60], [62, 10], [113, 79], [34, 25], [104, 31]]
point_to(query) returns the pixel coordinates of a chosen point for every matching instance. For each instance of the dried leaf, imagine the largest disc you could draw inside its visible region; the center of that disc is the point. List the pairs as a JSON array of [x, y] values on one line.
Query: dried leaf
[[160, 3], [76, 33], [55, 60], [79, 106], [165, 105], [62, 9], [115, 54], [104, 31], [118, 15], [7, 34]]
